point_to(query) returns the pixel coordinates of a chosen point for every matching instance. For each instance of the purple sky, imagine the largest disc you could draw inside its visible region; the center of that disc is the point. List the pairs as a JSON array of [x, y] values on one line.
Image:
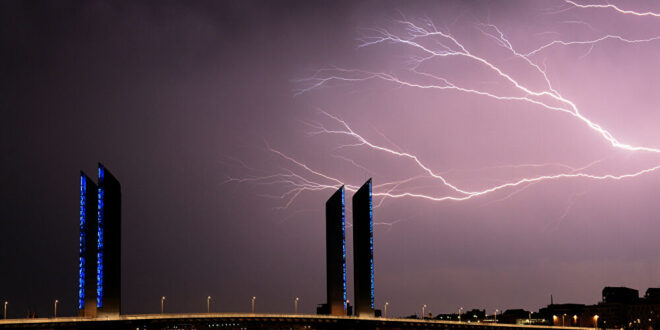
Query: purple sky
[[183, 101]]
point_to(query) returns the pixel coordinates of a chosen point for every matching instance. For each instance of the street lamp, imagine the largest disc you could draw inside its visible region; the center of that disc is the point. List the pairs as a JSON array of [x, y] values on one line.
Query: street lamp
[[497, 310], [253, 298], [385, 308], [595, 321], [162, 304], [55, 312], [575, 319], [562, 319], [554, 319], [6, 310], [423, 311], [459, 313], [295, 305], [208, 304]]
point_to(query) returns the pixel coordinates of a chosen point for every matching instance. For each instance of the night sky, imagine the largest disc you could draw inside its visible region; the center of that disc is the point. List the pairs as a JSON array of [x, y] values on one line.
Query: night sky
[[230, 123]]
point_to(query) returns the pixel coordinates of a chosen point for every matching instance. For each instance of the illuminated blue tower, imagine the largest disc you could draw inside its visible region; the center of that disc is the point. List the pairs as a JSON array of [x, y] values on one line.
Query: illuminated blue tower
[[87, 248], [108, 244], [363, 251], [335, 247]]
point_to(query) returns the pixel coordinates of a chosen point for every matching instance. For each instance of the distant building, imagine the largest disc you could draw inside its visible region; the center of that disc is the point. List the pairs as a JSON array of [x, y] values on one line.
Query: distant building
[[474, 315], [562, 314], [604, 315], [622, 308], [620, 295], [335, 247], [87, 248], [363, 251], [612, 312], [652, 295], [644, 314], [108, 272]]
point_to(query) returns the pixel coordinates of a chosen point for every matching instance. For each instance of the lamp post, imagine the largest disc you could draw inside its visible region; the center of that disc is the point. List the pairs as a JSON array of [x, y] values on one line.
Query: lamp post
[[5, 310], [423, 311], [385, 308], [459, 313], [595, 321], [208, 304], [55, 309], [562, 320], [253, 299], [554, 319], [162, 304], [497, 310], [295, 305], [575, 320]]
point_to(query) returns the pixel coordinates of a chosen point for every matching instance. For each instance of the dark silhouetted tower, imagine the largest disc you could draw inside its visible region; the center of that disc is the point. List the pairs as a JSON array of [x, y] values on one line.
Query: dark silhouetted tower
[[87, 248], [335, 247], [363, 251], [108, 272]]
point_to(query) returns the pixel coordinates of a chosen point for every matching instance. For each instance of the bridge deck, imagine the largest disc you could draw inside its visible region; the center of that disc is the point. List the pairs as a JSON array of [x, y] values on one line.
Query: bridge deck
[[251, 321]]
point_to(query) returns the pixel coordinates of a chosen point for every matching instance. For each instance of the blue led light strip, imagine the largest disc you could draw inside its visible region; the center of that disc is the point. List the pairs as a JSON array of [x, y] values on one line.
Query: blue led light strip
[[343, 243], [371, 244], [99, 243], [81, 246]]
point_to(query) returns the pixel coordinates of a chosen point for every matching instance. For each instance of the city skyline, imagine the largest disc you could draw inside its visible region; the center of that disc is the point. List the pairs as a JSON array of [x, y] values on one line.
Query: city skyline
[[620, 306], [513, 147]]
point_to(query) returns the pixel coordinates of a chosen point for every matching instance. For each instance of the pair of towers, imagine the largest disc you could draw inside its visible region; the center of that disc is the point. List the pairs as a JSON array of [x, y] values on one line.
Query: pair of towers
[[363, 252], [99, 267]]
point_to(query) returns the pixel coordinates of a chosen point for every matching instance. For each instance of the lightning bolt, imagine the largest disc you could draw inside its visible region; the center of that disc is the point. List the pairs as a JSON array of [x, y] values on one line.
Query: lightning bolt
[[591, 42], [526, 94], [434, 44], [317, 180], [611, 6]]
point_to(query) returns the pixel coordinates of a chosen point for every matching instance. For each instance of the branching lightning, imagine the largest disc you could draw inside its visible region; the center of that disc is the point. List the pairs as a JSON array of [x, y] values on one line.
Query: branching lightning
[[525, 94], [611, 6], [434, 44]]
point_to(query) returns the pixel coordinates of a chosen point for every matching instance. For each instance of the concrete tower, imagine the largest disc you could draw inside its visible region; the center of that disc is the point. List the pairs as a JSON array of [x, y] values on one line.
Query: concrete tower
[[108, 271], [87, 248], [363, 251], [335, 246]]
